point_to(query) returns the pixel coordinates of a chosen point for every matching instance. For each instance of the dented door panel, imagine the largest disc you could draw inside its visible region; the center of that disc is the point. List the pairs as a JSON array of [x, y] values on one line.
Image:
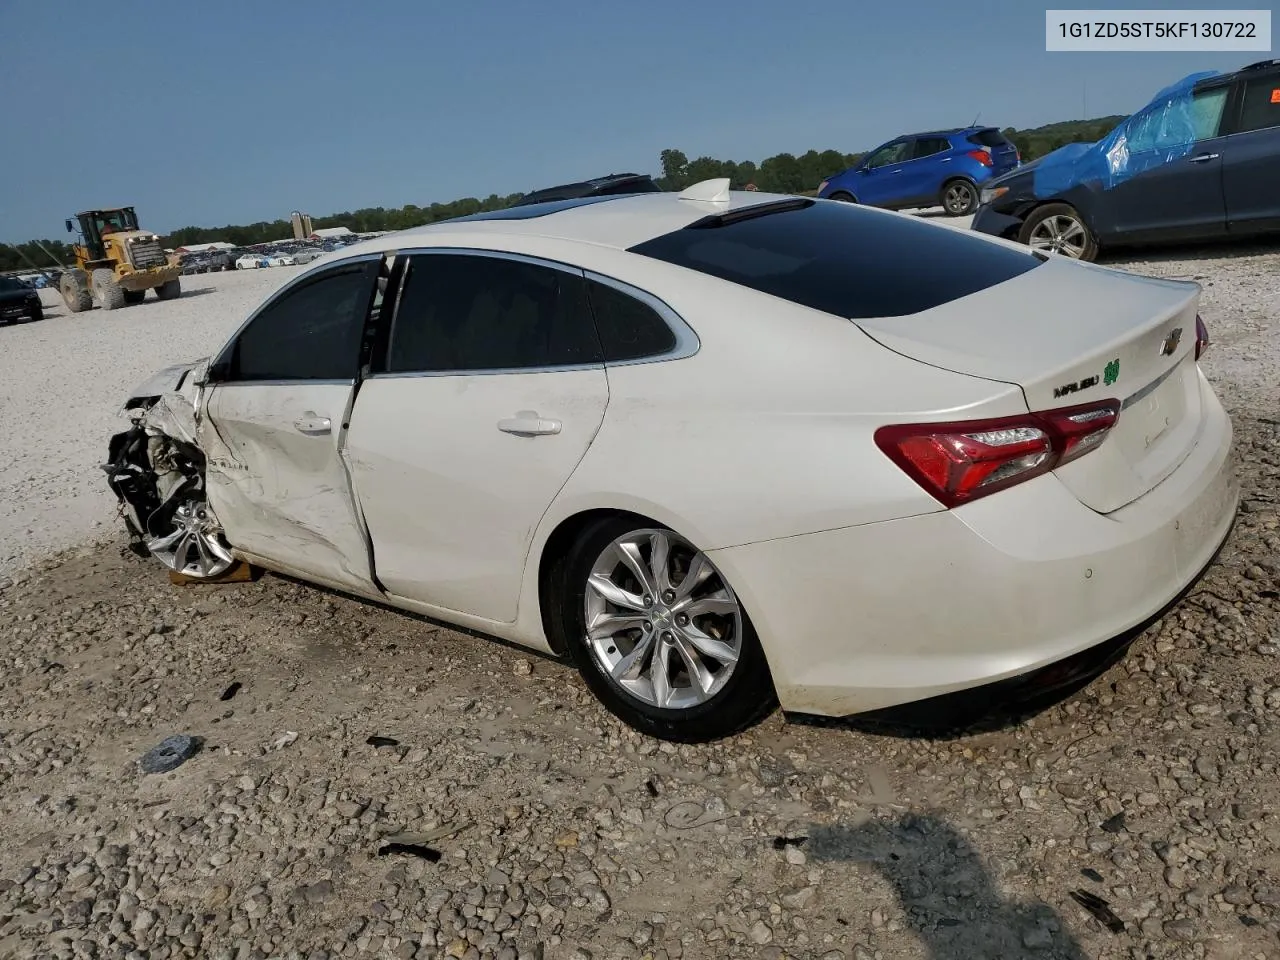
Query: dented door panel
[[277, 481]]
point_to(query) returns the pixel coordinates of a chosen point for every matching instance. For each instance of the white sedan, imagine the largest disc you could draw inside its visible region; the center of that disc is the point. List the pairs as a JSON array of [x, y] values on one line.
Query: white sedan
[[251, 261], [720, 449]]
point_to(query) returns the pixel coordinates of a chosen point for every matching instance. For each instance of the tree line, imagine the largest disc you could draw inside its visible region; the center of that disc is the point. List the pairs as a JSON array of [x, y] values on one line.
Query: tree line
[[784, 173]]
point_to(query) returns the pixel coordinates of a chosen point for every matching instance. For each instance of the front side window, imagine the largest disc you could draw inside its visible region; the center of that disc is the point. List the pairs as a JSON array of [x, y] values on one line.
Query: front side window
[[1171, 126], [893, 153], [311, 332], [1261, 106], [469, 312]]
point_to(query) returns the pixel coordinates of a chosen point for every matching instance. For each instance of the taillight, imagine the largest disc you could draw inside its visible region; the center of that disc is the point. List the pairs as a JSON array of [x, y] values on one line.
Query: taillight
[[982, 156], [1202, 337], [957, 463]]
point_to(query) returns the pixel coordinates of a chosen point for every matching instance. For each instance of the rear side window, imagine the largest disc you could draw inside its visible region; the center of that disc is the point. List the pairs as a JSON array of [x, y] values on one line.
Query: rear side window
[[988, 138], [311, 332], [629, 329], [930, 146], [461, 312], [1261, 106], [841, 259]]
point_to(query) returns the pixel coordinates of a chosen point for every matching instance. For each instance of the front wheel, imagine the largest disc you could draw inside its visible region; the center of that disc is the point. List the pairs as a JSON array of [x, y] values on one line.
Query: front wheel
[[108, 293], [170, 290], [843, 197], [1058, 228], [959, 198], [659, 635]]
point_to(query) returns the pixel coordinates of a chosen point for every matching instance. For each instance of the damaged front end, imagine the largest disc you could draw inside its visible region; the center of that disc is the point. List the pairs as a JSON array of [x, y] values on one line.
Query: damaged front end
[[156, 469]]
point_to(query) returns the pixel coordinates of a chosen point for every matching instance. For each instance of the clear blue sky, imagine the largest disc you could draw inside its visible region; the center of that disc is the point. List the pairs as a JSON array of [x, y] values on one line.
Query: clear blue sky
[[210, 112]]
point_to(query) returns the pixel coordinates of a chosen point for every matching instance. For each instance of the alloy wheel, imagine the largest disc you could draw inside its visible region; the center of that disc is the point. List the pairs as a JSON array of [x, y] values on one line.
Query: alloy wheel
[[194, 547], [958, 198], [661, 621], [1060, 234]]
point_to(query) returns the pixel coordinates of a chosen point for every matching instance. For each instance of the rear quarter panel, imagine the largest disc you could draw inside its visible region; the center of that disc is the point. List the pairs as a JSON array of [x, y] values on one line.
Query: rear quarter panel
[[767, 431]]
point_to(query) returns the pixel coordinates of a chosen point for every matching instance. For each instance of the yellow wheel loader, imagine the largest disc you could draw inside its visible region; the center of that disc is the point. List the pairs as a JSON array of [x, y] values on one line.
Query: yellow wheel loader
[[116, 263]]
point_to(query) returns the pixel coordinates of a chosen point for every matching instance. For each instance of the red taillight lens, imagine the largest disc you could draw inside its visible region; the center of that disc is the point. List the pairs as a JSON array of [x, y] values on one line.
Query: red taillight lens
[[1202, 337], [982, 156], [957, 463]]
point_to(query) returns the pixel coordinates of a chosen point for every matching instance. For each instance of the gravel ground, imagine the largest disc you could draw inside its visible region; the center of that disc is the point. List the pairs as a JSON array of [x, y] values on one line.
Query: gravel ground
[[538, 826]]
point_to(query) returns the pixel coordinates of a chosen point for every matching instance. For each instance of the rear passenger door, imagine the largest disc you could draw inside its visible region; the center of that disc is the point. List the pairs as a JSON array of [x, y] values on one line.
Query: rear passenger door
[[1251, 158], [488, 393], [923, 174]]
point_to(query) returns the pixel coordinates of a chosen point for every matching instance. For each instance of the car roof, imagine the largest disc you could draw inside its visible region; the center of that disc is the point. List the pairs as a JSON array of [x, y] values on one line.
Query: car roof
[[619, 222]]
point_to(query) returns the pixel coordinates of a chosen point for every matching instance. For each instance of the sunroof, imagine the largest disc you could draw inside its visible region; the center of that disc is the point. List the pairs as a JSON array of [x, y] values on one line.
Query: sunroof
[[529, 211]]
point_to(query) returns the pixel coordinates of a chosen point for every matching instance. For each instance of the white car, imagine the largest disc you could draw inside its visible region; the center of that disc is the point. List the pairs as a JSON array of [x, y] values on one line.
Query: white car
[[280, 260], [251, 261], [720, 449]]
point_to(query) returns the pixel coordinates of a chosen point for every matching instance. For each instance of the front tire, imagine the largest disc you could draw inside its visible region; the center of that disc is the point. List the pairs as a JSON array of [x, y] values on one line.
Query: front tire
[[684, 666], [170, 291], [106, 291], [1058, 228], [843, 197], [959, 198]]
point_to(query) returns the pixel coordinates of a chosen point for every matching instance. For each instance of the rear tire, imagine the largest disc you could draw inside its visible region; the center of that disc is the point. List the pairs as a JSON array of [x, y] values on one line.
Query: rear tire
[[734, 694], [1058, 228], [170, 291], [74, 287], [959, 198], [134, 296], [106, 291]]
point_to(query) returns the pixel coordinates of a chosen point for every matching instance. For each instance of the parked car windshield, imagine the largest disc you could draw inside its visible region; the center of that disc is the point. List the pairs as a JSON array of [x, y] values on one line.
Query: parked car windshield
[[843, 259]]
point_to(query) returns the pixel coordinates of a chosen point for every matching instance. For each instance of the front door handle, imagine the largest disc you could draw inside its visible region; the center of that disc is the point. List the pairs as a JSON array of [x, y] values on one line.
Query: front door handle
[[1205, 158], [527, 423], [311, 423]]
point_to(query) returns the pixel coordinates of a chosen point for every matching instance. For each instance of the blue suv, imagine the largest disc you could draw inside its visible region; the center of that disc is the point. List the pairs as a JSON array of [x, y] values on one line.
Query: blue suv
[[944, 168]]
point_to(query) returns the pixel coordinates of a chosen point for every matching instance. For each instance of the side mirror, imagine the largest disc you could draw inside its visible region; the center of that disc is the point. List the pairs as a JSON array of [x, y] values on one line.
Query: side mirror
[[70, 227]]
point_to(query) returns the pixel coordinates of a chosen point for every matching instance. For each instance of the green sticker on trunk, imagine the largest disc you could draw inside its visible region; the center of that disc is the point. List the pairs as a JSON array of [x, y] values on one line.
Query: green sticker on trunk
[[1112, 372]]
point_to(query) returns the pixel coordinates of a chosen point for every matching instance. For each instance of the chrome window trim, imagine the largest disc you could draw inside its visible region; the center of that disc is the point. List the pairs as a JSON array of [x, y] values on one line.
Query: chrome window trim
[[325, 382], [309, 274], [687, 342]]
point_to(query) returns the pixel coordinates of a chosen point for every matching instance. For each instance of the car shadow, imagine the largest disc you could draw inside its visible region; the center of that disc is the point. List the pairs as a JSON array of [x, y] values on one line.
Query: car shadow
[[944, 889]]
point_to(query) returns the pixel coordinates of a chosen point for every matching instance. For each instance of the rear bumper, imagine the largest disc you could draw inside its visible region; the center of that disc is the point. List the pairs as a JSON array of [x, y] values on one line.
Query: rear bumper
[[884, 614], [988, 221]]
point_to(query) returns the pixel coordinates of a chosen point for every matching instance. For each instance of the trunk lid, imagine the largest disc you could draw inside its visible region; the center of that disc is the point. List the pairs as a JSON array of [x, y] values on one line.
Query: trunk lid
[[1070, 333]]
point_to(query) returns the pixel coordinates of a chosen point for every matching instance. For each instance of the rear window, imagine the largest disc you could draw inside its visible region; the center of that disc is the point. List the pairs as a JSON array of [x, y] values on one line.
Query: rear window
[[841, 259], [988, 138]]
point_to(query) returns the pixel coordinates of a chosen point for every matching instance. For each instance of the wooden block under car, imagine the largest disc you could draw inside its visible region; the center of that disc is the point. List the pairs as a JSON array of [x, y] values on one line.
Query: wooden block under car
[[241, 573]]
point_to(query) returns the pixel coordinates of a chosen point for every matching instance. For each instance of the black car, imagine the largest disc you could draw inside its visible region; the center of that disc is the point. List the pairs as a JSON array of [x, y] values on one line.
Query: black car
[[611, 185], [1198, 163], [19, 303]]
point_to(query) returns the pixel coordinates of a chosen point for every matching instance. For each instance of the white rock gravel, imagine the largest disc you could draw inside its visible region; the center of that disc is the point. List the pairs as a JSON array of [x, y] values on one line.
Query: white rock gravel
[[563, 834]]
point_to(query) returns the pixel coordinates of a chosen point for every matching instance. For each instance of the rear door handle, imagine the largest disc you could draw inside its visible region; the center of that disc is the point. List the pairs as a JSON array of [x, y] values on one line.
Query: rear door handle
[[312, 424], [527, 423], [1205, 157]]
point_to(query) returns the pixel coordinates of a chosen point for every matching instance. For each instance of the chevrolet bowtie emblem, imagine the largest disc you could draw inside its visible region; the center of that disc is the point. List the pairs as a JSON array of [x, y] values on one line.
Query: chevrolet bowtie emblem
[[1170, 343]]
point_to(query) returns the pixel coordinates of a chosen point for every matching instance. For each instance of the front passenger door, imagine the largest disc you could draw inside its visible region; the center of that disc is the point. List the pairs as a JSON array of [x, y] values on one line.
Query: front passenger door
[[879, 175], [277, 416]]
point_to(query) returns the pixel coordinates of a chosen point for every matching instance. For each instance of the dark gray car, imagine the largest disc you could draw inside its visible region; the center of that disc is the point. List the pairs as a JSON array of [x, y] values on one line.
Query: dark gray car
[[1198, 163]]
